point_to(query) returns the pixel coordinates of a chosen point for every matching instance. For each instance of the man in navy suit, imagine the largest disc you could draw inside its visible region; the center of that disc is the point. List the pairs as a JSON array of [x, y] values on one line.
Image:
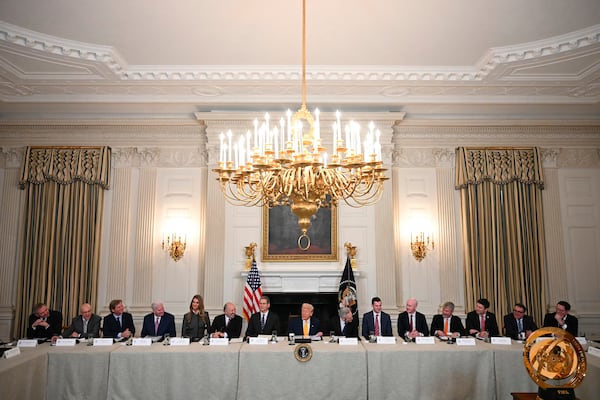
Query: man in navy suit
[[263, 322], [306, 324], [118, 324], [412, 323], [446, 324], [481, 322], [158, 322], [376, 321], [344, 324], [519, 323]]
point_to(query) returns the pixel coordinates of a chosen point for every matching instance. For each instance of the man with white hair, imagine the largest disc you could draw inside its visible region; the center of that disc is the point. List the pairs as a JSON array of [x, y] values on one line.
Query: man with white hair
[[158, 322]]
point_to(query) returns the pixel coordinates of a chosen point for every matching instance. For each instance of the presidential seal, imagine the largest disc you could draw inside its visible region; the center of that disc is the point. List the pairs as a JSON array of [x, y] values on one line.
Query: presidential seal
[[557, 364], [303, 352]]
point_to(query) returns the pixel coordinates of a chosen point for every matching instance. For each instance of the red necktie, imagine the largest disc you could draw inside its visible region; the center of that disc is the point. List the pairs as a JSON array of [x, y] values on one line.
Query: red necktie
[[376, 324], [156, 322]]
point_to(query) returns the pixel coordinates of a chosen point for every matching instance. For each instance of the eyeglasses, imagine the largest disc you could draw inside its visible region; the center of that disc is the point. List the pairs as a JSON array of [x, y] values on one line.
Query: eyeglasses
[[519, 311]]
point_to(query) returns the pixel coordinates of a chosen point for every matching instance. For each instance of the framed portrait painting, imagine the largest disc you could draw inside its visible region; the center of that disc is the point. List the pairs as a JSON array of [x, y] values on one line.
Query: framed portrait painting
[[281, 233]]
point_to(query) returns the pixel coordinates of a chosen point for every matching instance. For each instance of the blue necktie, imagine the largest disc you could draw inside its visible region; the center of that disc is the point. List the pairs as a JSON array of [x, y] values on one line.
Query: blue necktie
[[262, 322]]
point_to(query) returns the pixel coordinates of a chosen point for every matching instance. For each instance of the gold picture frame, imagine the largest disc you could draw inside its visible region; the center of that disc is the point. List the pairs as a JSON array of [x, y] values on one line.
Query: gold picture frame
[[280, 232]]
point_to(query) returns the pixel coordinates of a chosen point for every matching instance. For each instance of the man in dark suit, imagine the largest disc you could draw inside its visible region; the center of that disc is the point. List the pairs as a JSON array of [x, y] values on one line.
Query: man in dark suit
[[85, 325], [227, 325], [264, 322], [562, 319], [482, 323], [118, 324], [519, 323], [446, 324], [412, 323], [44, 323], [158, 322], [306, 324], [376, 321], [344, 324]]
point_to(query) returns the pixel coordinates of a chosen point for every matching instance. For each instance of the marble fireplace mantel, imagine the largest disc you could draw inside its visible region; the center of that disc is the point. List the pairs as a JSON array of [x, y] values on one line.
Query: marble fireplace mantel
[[310, 281]]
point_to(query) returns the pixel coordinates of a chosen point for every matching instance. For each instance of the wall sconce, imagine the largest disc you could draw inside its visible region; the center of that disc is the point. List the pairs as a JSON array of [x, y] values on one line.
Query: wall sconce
[[420, 245], [174, 246]]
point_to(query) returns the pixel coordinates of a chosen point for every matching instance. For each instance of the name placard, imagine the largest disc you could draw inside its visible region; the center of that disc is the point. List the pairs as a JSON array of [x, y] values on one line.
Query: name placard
[[180, 341], [27, 343], [591, 350], [581, 339], [102, 342], [348, 341], [468, 341], [139, 341], [66, 342], [219, 341], [258, 340], [12, 353], [424, 340], [504, 340], [386, 340]]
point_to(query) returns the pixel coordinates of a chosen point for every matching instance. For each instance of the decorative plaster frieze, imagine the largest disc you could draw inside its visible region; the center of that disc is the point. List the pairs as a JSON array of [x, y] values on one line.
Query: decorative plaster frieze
[[11, 157], [183, 158], [147, 157], [122, 157], [406, 135], [549, 157], [579, 158], [443, 157]]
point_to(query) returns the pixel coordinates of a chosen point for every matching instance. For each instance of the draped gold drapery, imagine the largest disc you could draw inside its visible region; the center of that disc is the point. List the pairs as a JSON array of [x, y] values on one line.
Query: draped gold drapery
[[62, 221], [502, 228]]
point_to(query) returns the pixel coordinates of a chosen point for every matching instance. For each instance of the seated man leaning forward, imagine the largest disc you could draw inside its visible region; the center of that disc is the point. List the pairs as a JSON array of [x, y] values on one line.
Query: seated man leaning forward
[[85, 325], [306, 324], [44, 323]]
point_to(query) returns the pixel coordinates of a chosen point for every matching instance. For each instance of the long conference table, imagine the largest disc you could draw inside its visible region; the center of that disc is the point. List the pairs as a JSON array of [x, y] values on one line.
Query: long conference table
[[244, 371]]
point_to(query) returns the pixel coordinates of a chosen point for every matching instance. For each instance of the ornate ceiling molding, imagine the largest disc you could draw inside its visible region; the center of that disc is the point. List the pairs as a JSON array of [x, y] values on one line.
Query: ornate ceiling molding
[[41, 68]]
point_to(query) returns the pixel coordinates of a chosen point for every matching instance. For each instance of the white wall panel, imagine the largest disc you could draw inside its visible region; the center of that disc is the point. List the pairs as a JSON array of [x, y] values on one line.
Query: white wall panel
[[580, 206], [178, 193]]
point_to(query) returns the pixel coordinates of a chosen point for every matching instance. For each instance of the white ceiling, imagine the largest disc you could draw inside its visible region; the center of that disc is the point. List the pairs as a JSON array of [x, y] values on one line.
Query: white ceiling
[[508, 59]]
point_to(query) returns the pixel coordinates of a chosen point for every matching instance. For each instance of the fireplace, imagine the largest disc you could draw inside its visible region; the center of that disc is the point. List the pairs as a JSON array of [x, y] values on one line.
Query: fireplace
[[288, 289], [287, 305]]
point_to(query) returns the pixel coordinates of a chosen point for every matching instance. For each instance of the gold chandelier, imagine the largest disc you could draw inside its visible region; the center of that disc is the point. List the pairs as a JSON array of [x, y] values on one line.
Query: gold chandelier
[[288, 166]]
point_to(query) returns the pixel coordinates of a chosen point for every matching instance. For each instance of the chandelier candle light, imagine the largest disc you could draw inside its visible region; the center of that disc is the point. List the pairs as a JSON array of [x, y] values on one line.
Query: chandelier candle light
[[287, 165]]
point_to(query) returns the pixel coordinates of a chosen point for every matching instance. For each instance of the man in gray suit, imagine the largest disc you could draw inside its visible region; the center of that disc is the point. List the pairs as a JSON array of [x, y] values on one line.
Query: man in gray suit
[[85, 325]]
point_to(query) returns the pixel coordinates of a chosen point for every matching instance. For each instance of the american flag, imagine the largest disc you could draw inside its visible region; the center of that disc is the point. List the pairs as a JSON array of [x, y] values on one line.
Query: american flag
[[252, 292]]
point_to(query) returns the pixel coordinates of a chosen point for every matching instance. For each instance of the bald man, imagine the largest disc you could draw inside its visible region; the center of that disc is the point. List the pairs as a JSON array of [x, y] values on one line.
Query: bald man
[[412, 323]]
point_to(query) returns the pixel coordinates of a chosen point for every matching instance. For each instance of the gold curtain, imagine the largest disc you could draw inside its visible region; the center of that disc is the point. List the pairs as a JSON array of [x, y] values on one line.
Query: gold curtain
[[60, 255], [502, 228]]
